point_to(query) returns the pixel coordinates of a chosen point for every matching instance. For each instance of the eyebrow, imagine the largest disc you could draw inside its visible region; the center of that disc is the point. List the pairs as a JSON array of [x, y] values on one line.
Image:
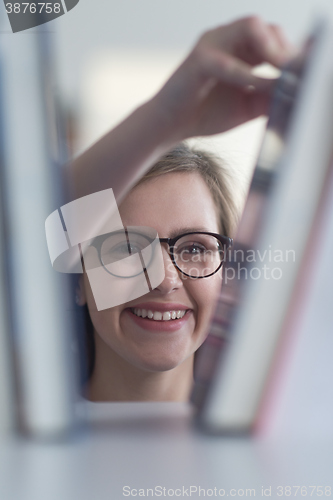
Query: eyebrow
[[184, 230]]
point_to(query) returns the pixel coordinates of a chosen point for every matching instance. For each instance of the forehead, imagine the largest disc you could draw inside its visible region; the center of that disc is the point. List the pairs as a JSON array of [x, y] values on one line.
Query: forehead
[[170, 203]]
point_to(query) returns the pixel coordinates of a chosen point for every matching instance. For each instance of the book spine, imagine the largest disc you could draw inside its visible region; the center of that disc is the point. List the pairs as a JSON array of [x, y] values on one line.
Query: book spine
[[41, 319], [298, 395], [287, 227], [235, 270], [237, 263]]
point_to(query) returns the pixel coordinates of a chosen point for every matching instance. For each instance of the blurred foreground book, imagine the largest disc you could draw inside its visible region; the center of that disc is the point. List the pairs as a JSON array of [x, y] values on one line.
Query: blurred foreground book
[[265, 270], [7, 391], [31, 189]]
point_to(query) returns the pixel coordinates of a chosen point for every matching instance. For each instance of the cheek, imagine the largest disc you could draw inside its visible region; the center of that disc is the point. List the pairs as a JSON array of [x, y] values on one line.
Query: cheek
[[105, 322], [205, 293], [100, 320]]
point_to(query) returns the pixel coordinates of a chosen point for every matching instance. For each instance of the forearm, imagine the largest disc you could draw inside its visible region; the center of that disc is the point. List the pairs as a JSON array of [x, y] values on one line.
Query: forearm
[[212, 91], [121, 157]]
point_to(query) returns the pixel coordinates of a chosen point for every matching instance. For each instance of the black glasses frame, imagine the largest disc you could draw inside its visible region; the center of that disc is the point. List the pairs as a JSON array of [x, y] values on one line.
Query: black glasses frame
[[225, 241]]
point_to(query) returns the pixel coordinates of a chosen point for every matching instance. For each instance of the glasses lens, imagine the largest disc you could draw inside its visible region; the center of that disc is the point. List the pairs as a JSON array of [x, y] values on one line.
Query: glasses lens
[[121, 252], [198, 255]]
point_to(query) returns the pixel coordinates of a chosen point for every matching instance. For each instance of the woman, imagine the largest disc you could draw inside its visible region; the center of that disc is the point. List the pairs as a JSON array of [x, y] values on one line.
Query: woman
[[144, 349], [151, 358]]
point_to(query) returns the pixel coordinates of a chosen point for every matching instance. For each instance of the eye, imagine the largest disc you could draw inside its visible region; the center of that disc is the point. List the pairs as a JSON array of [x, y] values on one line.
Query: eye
[[193, 249], [125, 249], [204, 248], [118, 246], [119, 252]]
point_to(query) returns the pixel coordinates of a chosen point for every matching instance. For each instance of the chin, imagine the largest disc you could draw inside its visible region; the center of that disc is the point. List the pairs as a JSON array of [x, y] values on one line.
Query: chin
[[159, 363]]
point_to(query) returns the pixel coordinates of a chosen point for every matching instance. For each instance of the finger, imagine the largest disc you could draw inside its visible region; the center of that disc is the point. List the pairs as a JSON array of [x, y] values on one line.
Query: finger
[[251, 40], [264, 43], [233, 71]]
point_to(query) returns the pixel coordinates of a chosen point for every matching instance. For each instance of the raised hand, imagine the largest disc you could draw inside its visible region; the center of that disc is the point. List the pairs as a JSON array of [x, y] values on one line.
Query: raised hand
[[214, 89]]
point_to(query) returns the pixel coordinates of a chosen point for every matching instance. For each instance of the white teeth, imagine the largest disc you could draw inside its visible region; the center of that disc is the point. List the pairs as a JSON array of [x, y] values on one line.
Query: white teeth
[[159, 316]]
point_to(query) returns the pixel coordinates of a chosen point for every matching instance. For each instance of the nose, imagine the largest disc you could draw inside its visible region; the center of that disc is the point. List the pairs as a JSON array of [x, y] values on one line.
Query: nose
[[172, 279]]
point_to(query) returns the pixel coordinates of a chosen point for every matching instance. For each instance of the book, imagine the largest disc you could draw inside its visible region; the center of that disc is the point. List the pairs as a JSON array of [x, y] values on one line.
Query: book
[[274, 231], [39, 314], [297, 402]]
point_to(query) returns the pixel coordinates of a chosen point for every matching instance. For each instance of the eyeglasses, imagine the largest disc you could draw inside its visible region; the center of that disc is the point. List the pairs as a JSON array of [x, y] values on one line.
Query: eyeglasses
[[194, 254]]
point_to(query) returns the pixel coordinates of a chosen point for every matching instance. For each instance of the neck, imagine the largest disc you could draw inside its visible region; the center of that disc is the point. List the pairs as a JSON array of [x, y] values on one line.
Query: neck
[[115, 379]]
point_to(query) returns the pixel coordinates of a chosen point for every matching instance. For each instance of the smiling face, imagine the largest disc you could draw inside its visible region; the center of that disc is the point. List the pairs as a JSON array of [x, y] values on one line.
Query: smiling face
[[173, 204]]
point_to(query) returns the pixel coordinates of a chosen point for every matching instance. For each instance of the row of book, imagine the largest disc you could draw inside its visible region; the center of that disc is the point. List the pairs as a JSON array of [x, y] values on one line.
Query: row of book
[[255, 372]]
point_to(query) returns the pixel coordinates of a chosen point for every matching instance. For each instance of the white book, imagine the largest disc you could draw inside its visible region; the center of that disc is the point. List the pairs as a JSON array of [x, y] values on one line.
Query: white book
[[298, 400], [41, 326], [236, 392]]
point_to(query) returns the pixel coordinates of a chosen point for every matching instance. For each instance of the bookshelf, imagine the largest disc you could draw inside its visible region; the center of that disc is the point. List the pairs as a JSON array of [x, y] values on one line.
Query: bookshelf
[[143, 445]]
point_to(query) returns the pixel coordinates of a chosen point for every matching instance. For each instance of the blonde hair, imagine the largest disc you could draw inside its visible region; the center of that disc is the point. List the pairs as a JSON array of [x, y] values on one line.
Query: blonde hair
[[182, 158]]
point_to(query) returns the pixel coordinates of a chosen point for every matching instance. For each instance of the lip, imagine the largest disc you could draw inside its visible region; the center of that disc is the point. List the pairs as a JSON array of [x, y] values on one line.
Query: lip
[[161, 306], [159, 326]]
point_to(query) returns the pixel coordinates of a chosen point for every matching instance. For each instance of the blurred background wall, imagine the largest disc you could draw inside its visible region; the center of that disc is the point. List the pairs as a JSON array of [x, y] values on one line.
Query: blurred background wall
[[112, 55]]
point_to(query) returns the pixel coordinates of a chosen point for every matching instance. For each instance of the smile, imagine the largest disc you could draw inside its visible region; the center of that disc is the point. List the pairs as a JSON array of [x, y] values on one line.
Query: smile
[[157, 315]]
